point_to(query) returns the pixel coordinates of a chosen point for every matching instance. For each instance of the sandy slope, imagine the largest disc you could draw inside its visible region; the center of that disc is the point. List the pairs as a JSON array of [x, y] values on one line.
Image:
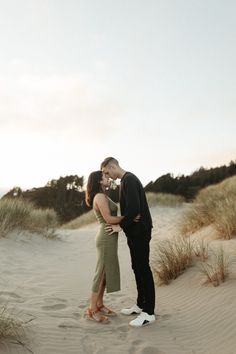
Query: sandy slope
[[51, 280]]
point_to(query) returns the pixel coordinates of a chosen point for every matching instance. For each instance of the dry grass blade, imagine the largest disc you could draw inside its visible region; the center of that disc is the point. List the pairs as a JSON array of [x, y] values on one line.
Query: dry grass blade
[[193, 220], [43, 221], [12, 328], [23, 215], [174, 256], [214, 205], [164, 199], [201, 250], [217, 271], [83, 220], [13, 214], [225, 220]]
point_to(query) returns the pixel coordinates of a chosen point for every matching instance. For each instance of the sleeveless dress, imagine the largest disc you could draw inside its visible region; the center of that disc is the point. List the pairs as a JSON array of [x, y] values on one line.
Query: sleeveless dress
[[107, 254]]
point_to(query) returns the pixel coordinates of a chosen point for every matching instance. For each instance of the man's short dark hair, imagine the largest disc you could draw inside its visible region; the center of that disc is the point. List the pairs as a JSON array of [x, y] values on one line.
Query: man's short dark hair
[[107, 161]]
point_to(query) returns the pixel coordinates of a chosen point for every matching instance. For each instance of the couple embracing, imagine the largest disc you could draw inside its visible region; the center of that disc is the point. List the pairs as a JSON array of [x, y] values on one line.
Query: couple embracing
[[136, 222]]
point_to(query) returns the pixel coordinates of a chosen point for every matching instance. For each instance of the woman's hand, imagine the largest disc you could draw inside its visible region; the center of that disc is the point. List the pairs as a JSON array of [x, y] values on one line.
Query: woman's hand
[[111, 229], [137, 218]]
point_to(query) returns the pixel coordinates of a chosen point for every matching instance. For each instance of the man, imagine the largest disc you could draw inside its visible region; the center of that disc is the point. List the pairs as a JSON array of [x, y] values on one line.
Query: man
[[133, 202]]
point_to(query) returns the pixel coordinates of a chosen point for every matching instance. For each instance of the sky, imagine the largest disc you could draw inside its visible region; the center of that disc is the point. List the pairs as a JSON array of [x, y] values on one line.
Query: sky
[[150, 82]]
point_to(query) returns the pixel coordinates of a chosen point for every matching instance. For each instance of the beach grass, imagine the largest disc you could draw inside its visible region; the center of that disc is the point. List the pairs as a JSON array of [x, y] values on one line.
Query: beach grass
[[43, 221], [174, 256], [214, 205], [11, 327], [201, 250], [164, 199], [18, 214], [217, 269], [83, 220]]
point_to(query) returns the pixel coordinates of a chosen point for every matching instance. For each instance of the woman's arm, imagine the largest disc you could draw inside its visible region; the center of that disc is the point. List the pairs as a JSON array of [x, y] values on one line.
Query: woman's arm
[[117, 228], [101, 203]]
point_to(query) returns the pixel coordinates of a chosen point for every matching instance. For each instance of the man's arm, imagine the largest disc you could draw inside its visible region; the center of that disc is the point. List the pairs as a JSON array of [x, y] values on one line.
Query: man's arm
[[132, 202]]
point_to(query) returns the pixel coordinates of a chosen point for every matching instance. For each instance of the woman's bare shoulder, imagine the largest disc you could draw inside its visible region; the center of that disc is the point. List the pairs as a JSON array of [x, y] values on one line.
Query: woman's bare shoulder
[[100, 200], [100, 197]]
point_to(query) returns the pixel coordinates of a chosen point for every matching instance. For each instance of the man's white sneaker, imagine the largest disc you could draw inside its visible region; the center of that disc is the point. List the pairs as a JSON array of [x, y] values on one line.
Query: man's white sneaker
[[134, 310], [143, 319]]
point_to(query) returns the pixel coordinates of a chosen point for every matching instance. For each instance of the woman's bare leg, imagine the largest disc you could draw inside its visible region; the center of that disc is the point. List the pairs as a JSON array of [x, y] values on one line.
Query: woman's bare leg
[[97, 298], [97, 303], [92, 312], [101, 291]]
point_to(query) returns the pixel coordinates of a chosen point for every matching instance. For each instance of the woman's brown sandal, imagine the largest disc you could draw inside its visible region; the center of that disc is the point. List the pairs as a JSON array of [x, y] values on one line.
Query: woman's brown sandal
[[94, 316], [106, 311]]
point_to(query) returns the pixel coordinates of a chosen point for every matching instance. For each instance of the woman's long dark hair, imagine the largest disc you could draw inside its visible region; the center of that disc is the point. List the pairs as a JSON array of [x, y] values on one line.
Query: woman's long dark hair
[[93, 187]]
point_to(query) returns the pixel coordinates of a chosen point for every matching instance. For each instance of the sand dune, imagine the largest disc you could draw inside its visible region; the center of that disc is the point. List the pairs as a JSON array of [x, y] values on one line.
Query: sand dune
[[50, 280]]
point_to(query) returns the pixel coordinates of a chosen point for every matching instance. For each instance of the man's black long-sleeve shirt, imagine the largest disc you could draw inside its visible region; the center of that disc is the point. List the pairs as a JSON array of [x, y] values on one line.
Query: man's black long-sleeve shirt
[[133, 202]]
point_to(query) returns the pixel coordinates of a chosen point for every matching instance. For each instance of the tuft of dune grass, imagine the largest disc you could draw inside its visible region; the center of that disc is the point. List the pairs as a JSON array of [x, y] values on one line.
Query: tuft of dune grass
[[13, 214], [217, 270], [225, 218], [43, 221], [82, 220], [214, 205], [174, 256], [201, 250], [18, 214], [164, 199], [10, 326]]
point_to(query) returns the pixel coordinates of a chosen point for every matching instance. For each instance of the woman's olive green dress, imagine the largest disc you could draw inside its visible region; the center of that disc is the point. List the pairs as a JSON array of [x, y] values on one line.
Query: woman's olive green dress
[[107, 254]]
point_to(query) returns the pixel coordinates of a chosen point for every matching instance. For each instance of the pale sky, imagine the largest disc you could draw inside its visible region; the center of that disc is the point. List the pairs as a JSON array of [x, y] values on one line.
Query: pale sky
[[150, 82]]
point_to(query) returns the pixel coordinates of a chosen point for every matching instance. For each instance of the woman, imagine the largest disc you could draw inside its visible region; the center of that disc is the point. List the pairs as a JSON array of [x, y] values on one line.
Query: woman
[[107, 274]]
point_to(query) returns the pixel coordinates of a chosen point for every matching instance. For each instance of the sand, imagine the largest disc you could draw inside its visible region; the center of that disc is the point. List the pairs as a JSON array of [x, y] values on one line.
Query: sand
[[49, 281]]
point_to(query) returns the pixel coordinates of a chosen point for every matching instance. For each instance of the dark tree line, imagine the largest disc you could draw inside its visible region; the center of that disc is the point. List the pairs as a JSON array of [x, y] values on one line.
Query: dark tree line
[[65, 195], [189, 186]]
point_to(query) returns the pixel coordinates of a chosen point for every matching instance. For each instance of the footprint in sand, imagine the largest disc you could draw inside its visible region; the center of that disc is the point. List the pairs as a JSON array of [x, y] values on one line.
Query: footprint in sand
[[122, 328], [69, 324], [76, 314], [87, 346], [9, 293], [10, 296], [54, 307], [122, 332], [54, 303], [164, 317], [137, 342], [138, 347], [54, 299], [149, 350]]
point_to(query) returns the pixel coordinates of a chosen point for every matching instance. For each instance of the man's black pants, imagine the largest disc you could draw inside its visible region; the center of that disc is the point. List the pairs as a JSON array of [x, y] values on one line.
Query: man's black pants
[[139, 251]]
